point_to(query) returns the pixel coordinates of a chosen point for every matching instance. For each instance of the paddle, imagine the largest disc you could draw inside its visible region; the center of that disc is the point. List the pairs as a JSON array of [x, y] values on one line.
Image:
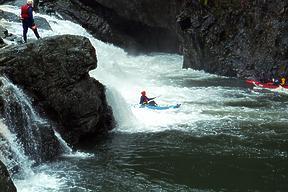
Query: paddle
[[155, 97]]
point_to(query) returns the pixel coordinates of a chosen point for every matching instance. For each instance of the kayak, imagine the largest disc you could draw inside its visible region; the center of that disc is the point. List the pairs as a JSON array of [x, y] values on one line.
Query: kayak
[[158, 107], [269, 86]]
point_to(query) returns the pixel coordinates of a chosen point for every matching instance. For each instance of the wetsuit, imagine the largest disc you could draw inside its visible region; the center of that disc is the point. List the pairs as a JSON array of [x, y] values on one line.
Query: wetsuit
[[28, 21], [145, 100]]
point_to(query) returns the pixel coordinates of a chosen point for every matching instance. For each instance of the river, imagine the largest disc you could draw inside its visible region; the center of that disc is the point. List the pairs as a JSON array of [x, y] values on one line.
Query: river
[[224, 137]]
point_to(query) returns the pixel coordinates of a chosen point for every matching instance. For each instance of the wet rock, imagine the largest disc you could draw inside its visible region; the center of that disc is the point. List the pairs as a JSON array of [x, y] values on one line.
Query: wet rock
[[55, 72], [144, 26], [36, 138], [2, 43], [4, 1], [3, 32], [11, 17], [5, 35], [2, 35], [6, 184], [234, 39], [42, 23]]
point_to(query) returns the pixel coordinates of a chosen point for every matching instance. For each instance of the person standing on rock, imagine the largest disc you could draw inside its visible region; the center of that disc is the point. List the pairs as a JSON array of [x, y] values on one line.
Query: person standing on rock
[[28, 20]]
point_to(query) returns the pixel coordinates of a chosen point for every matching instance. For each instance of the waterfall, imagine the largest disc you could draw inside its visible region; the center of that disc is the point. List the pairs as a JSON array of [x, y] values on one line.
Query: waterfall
[[22, 130], [21, 119], [12, 153]]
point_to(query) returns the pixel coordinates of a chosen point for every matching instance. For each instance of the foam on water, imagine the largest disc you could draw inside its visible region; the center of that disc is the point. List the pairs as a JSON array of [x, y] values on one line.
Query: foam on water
[[40, 182], [125, 76], [79, 154]]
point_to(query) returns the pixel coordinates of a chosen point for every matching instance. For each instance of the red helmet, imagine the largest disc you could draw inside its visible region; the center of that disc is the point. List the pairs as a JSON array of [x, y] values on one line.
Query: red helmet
[[143, 93]]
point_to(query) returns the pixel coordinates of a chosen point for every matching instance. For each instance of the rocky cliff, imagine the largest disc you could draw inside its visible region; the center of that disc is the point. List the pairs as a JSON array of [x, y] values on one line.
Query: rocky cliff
[[235, 38], [238, 38], [144, 26], [54, 72]]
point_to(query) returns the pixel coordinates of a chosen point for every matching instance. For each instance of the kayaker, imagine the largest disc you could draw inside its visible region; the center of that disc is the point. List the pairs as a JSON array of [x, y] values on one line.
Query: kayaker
[[144, 100]]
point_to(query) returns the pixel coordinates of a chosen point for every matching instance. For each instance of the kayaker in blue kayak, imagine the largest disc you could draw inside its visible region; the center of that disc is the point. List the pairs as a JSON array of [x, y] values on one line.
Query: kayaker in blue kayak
[[144, 100]]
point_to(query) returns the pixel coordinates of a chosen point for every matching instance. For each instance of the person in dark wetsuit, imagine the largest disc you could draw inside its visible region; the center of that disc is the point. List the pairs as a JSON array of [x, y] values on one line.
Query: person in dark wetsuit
[[144, 100], [28, 20]]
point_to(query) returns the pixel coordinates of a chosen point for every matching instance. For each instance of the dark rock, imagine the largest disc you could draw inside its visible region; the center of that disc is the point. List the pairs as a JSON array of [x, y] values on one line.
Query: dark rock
[[234, 39], [11, 17], [148, 12], [4, 34], [55, 72], [4, 1], [35, 136], [145, 26], [42, 23], [6, 184], [2, 43]]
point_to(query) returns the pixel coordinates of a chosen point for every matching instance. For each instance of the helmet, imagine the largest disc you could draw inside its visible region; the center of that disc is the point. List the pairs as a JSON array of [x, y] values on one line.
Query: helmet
[[30, 2], [143, 93]]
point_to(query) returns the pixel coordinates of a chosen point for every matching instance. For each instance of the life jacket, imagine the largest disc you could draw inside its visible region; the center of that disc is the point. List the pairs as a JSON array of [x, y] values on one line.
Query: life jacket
[[283, 81], [25, 12], [145, 100]]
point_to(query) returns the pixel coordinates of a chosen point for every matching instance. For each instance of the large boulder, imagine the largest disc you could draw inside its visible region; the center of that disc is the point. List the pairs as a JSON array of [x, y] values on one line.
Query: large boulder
[[235, 38], [54, 71], [138, 25], [6, 184]]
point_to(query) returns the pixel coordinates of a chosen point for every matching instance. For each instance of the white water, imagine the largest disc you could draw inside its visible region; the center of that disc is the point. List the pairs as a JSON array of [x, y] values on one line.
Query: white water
[[12, 152], [32, 116], [27, 179], [9, 141], [125, 77]]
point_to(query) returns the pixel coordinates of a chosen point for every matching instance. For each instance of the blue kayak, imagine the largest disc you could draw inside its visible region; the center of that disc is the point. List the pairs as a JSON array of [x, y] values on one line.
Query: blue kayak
[[157, 107]]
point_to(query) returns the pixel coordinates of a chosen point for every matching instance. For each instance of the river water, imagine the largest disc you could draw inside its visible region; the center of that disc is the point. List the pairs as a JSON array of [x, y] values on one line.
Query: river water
[[224, 137]]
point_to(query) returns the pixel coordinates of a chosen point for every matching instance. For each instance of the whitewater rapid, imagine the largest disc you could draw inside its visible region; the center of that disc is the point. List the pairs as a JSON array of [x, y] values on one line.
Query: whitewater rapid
[[125, 76], [214, 108]]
